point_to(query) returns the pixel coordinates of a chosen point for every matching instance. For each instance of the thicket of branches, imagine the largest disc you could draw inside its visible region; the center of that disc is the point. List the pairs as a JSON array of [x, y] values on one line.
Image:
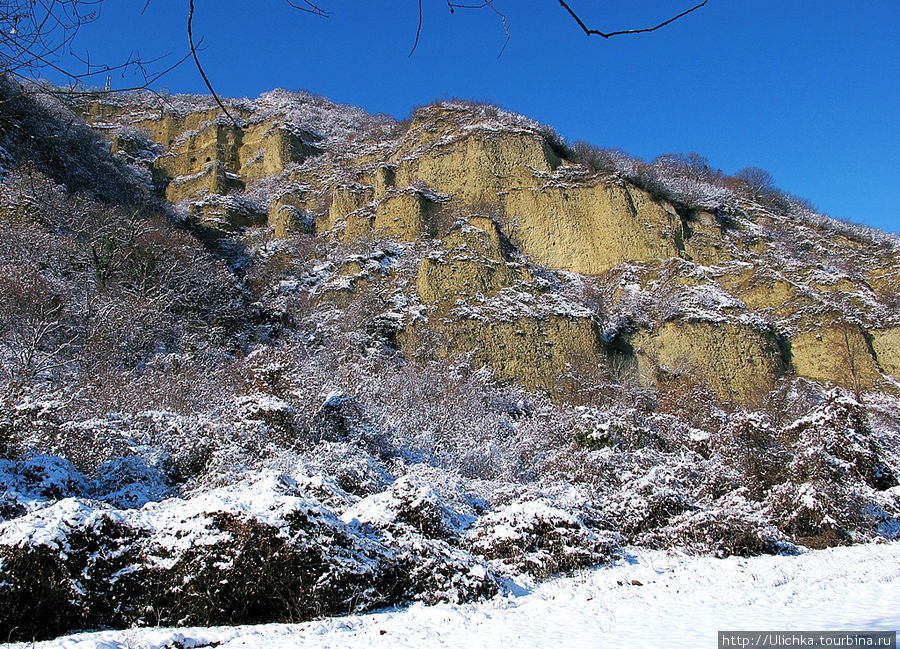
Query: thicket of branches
[[38, 37], [96, 279]]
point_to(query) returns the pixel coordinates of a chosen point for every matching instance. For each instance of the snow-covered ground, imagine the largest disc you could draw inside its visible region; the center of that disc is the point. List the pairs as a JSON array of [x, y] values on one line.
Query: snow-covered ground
[[647, 599]]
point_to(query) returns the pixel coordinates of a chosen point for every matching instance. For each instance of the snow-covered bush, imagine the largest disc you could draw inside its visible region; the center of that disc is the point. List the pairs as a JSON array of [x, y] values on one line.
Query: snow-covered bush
[[352, 468], [840, 429], [42, 477], [748, 445], [731, 526], [652, 496], [71, 565], [265, 549], [685, 180], [117, 288], [129, 483], [427, 530], [39, 480], [257, 572], [276, 414], [835, 473], [432, 571], [534, 537], [412, 502]]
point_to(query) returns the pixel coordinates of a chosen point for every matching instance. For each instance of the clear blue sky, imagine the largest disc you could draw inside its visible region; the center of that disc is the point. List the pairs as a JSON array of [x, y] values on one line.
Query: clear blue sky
[[807, 89]]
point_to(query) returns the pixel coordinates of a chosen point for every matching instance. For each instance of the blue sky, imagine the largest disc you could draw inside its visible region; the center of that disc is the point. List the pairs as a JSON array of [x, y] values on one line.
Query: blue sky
[[809, 90]]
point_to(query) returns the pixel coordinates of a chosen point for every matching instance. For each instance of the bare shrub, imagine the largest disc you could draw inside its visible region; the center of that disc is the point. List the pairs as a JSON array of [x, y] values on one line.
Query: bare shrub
[[748, 444], [60, 145], [536, 538], [257, 575], [605, 161], [116, 286], [36, 598], [729, 529], [686, 180], [826, 497], [45, 593], [757, 183], [433, 572]]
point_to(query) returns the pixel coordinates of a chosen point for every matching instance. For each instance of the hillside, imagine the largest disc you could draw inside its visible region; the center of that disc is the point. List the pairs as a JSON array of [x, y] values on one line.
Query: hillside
[[312, 361]]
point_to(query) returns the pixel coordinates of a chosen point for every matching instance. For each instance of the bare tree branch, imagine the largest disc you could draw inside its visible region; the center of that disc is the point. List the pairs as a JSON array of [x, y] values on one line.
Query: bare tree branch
[[38, 34], [419, 29], [453, 6], [309, 8], [200, 67], [597, 32]]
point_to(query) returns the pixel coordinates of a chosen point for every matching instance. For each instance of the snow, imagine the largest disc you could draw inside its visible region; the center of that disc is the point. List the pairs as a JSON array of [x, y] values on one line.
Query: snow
[[647, 599], [267, 497], [48, 526], [124, 483]]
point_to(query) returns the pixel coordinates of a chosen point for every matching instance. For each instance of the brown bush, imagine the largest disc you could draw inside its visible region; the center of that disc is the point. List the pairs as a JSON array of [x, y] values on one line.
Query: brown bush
[[541, 541]]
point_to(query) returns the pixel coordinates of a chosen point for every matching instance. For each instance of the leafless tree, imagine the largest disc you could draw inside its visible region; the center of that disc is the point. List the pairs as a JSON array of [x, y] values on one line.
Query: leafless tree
[[37, 35], [758, 182], [34, 333]]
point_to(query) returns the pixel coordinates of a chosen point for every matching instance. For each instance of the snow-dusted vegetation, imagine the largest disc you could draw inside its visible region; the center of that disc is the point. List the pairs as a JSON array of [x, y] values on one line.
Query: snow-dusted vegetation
[[200, 427], [649, 597]]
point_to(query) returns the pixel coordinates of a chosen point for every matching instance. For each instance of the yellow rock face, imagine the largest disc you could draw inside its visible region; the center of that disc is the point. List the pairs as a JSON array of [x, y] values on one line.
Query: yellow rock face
[[266, 150], [762, 289], [454, 161], [287, 214], [346, 200], [256, 151], [533, 351], [223, 214], [475, 265], [385, 178], [213, 179], [167, 128], [886, 344], [739, 363], [407, 216], [404, 214], [885, 281], [215, 144], [835, 352], [703, 239], [474, 167], [478, 234], [589, 230], [196, 140]]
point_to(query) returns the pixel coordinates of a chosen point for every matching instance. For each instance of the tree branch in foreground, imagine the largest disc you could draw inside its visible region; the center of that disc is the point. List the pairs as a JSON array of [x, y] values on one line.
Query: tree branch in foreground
[[597, 32], [200, 67]]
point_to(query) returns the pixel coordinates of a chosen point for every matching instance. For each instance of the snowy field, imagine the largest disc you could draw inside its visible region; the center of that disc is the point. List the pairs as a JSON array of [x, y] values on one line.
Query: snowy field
[[648, 599]]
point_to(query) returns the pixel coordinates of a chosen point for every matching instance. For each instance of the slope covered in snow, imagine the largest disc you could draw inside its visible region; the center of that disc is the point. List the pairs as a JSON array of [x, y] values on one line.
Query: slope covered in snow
[[647, 599], [314, 362]]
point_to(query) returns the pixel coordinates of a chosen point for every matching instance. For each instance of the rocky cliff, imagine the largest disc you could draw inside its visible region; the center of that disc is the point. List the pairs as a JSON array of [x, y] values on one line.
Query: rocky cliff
[[311, 361], [510, 250]]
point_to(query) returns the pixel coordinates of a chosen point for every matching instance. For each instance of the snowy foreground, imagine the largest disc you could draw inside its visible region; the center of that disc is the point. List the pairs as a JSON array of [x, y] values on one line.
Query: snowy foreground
[[648, 599]]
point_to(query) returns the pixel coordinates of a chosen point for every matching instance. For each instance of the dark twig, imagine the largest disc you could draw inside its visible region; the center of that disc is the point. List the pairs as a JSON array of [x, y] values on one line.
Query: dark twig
[[309, 8], [200, 67], [597, 32], [419, 29], [453, 6]]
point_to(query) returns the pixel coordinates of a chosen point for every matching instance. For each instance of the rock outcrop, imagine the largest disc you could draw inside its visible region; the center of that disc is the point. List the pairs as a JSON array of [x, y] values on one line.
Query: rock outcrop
[[739, 363], [498, 227], [590, 229]]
